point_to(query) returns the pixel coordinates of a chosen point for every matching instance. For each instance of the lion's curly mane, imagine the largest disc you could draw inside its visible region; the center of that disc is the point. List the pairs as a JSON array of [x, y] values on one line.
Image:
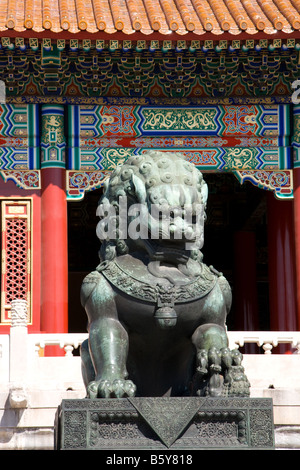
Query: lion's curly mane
[[136, 176]]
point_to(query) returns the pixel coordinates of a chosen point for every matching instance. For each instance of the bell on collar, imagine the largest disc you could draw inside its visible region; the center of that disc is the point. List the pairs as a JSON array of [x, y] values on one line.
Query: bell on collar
[[165, 317]]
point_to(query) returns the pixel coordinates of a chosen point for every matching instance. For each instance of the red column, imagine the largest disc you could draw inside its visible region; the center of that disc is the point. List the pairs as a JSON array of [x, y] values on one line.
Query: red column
[[296, 174], [282, 276], [54, 275], [245, 284]]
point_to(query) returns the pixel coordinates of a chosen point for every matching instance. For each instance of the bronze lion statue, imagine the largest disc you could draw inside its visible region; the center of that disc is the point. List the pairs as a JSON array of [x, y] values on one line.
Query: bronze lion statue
[[156, 313]]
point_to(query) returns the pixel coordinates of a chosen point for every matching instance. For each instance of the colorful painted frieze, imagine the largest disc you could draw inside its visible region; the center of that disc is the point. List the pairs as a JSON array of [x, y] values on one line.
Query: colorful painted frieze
[[207, 158], [248, 140], [280, 182], [79, 182], [296, 135], [53, 143], [182, 141], [81, 69], [224, 137], [222, 120], [19, 137], [25, 179]]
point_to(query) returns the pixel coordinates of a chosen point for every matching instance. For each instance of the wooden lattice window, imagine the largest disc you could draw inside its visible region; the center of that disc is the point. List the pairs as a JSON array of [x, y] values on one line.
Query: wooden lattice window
[[16, 255]]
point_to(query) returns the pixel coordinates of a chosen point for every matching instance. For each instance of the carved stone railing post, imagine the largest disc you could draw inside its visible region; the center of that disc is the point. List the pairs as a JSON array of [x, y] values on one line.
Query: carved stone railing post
[[18, 366], [267, 347], [19, 314]]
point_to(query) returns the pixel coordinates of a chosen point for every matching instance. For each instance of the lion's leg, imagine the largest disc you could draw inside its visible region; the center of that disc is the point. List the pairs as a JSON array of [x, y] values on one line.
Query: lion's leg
[[210, 335], [210, 340], [219, 370], [87, 368], [108, 341]]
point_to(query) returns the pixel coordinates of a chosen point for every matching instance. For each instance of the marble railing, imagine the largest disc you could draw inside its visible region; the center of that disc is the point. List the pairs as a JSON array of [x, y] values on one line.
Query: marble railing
[[70, 342], [266, 340], [35, 343], [24, 357]]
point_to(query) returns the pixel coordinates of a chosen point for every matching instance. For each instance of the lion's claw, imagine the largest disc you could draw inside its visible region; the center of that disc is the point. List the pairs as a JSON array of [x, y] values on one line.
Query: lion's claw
[[219, 371], [117, 388]]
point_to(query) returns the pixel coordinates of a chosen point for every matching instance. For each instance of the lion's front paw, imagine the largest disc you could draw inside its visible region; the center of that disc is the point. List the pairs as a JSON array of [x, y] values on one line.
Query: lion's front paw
[[219, 372], [118, 388]]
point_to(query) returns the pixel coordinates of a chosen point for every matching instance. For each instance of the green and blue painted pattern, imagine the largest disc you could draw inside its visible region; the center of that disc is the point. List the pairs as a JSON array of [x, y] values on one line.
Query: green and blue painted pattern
[[53, 143], [19, 137], [86, 123]]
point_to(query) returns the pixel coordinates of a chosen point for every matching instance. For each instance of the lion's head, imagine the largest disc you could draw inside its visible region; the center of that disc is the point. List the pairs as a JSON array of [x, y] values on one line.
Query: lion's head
[[154, 200]]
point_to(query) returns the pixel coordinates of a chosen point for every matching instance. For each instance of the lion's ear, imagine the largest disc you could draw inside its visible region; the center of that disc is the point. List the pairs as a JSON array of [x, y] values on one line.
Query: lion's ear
[[139, 189], [204, 193], [105, 185]]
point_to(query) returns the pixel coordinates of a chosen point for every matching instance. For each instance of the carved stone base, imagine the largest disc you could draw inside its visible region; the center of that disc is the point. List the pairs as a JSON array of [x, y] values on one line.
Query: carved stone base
[[188, 423]]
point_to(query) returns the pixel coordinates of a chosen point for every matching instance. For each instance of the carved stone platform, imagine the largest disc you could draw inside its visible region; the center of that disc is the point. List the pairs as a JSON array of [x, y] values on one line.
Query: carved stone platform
[[188, 423]]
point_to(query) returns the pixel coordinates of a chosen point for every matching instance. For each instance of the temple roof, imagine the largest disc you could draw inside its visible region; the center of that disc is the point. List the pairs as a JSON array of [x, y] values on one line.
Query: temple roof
[[148, 16]]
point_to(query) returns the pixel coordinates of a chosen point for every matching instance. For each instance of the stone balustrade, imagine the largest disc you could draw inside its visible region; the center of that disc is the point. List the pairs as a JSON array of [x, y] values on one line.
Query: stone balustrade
[[266, 340], [23, 358], [35, 343], [69, 342]]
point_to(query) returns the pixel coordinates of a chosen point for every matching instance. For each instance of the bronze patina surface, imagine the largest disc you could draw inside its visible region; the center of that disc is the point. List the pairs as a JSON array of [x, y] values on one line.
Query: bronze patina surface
[[165, 423], [156, 312]]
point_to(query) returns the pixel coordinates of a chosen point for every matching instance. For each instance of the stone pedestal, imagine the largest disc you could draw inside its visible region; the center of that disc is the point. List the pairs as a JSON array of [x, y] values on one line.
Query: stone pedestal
[[188, 423]]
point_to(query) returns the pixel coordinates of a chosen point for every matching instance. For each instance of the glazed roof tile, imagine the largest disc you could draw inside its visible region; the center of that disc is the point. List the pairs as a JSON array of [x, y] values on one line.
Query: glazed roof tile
[[147, 16]]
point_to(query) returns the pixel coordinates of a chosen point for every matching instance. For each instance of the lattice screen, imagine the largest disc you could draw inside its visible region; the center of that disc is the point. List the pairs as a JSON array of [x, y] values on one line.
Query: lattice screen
[[16, 255]]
